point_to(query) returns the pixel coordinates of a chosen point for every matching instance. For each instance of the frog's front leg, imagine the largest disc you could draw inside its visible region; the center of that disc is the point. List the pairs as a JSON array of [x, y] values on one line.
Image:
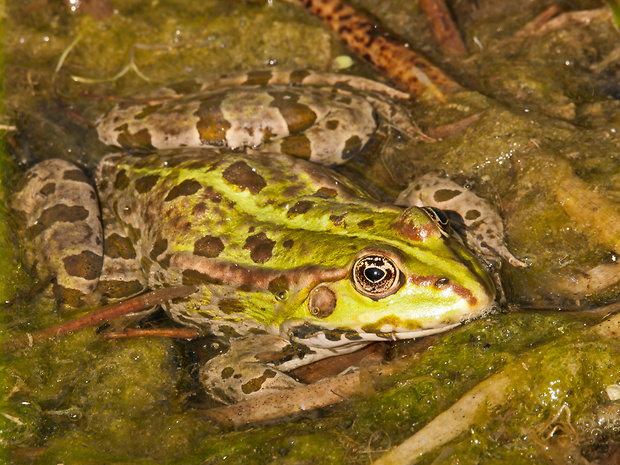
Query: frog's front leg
[[482, 226], [249, 367]]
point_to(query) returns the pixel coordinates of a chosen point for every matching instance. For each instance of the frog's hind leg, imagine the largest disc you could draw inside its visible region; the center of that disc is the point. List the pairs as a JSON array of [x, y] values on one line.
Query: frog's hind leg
[[300, 78], [122, 275], [60, 225]]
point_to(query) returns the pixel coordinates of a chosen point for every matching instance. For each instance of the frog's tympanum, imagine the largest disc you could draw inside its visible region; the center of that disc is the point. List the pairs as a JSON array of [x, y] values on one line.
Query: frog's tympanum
[[292, 262]]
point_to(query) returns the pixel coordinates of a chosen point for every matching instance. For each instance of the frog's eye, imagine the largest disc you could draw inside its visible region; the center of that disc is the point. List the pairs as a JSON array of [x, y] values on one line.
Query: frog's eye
[[376, 276], [440, 219]]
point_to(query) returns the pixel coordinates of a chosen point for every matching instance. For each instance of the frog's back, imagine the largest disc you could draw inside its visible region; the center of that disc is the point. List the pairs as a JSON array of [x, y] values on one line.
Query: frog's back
[[270, 210]]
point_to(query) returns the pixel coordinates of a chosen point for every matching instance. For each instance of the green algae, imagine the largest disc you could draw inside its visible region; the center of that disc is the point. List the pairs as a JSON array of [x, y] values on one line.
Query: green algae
[[549, 372]]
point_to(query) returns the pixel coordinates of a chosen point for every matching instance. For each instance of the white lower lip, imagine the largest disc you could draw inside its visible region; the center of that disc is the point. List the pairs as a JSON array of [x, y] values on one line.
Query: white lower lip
[[320, 341]]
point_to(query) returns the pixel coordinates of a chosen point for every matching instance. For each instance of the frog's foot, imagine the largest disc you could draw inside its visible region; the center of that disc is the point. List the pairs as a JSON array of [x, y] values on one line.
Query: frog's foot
[[248, 368], [59, 216], [483, 227]]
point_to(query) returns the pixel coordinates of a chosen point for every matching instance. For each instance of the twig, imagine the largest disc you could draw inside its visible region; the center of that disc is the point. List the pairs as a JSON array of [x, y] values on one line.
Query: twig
[[180, 333], [442, 27], [450, 424], [452, 129], [565, 20], [538, 22], [129, 306]]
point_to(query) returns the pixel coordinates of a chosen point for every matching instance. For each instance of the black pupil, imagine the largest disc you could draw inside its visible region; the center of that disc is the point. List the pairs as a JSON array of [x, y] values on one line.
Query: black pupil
[[374, 274]]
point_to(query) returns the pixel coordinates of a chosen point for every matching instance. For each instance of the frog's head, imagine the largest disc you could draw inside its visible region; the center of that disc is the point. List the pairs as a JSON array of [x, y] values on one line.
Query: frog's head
[[410, 281]]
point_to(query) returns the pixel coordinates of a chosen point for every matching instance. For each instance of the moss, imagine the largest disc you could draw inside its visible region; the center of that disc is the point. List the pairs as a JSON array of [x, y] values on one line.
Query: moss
[[548, 369]]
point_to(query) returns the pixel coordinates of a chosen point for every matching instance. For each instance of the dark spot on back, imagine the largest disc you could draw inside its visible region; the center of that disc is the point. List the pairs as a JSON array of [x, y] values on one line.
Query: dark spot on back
[[227, 372], [300, 207], [337, 219], [298, 117], [260, 247], [117, 289], [288, 244], [138, 140], [71, 297], [208, 246], [199, 209], [146, 183], [164, 261], [187, 187], [255, 384], [326, 193], [229, 332], [210, 194], [244, 177], [332, 335], [365, 224], [292, 191]]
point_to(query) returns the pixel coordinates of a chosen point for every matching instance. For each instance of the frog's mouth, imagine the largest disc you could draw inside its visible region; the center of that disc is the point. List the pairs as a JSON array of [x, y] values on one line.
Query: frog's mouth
[[314, 335]]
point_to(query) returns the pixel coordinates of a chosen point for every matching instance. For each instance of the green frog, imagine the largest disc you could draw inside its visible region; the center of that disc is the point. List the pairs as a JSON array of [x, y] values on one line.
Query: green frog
[[219, 188]]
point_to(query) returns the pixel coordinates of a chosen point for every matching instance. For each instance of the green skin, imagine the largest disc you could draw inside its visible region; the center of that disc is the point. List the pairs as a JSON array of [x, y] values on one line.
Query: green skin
[[292, 262]]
